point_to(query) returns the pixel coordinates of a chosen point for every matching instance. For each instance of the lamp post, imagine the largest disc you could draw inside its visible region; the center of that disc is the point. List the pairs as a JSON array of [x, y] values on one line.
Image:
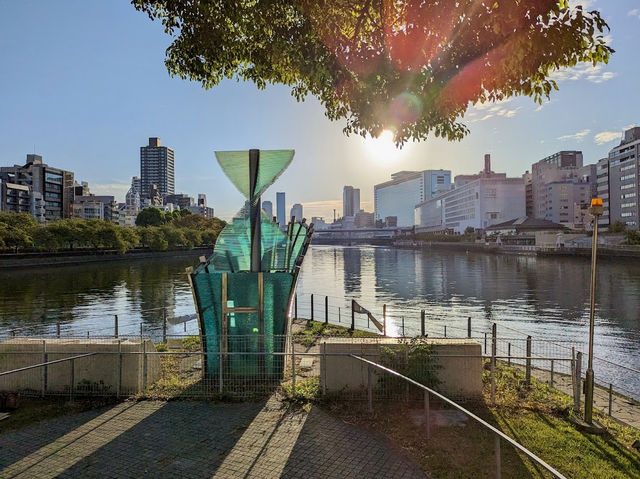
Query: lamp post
[[596, 210]]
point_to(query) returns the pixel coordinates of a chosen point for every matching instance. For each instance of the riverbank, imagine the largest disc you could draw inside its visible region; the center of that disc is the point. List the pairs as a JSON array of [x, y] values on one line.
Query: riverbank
[[65, 258], [524, 250]]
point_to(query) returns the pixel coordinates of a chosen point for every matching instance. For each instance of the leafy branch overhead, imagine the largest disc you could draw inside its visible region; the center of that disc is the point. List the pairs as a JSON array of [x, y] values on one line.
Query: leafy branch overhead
[[412, 66]]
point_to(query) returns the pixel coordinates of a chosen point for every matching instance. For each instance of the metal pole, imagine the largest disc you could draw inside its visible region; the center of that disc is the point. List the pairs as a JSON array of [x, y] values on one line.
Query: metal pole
[[326, 310], [384, 320], [422, 321], [578, 379], [324, 368], [498, 462], [469, 327], [610, 398], [295, 306], [353, 316], [427, 412], [494, 350], [164, 326], [293, 369], [44, 368], [57, 330], [485, 343], [119, 381], [445, 330], [588, 399], [254, 211], [115, 325], [509, 354], [528, 362], [370, 388], [144, 365], [551, 373], [339, 313], [312, 307], [140, 331]]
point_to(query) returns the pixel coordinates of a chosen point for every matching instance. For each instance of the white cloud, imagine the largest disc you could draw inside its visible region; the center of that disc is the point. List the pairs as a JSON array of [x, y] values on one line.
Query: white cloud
[[634, 13], [606, 137], [583, 72], [486, 117], [579, 136]]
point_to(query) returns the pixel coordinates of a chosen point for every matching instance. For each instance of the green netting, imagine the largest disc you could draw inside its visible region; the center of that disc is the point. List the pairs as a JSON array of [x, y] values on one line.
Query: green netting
[[280, 250], [235, 165], [244, 328]]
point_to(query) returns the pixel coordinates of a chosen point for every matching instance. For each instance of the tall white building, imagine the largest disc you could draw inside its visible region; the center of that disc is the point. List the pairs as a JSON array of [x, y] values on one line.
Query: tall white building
[[281, 216], [476, 201], [350, 201], [399, 196]]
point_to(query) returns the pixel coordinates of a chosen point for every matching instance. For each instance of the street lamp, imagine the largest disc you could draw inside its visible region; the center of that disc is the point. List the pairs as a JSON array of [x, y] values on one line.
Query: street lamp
[[596, 210]]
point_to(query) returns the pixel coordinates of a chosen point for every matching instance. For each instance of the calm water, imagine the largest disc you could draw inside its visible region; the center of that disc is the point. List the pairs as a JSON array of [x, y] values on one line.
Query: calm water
[[547, 298]]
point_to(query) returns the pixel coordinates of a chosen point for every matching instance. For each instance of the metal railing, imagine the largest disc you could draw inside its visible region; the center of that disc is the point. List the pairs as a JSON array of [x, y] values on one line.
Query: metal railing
[[499, 435]]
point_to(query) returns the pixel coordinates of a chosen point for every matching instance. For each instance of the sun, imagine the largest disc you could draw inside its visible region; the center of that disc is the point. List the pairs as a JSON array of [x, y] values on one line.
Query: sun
[[382, 149]]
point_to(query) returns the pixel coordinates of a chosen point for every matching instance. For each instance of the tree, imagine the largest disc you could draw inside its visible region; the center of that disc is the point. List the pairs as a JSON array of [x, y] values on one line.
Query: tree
[[150, 217], [411, 66], [617, 227]]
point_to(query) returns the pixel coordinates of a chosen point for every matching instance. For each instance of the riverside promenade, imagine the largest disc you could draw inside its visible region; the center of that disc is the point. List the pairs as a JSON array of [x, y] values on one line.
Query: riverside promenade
[[201, 439]]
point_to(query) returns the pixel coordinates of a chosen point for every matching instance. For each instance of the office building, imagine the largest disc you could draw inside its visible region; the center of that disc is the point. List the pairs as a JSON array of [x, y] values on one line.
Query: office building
[[602, 189], [560, 185], [399, 196], [364, 219], [618, 181], [350, 201], [14, 198], [157, 168], [281, 216], [92, 207], [267, 207], [201, 207], [181, 200], [296, 212], [476, 201], [51, 185]]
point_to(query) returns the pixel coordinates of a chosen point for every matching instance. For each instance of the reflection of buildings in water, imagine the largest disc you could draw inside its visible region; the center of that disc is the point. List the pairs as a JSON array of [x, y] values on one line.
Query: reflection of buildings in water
[[352, 271]]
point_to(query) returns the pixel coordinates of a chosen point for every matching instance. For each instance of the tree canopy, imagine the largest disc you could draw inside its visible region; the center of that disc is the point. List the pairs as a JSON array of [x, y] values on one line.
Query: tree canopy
[[411, 66]]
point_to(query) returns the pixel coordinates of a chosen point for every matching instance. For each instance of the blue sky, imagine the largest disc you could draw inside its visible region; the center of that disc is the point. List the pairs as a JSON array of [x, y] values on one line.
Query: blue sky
[[84, 84]]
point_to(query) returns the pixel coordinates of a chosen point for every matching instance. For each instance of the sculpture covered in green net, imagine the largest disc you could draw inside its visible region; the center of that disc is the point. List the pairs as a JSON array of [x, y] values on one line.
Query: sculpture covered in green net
[[243, 291]]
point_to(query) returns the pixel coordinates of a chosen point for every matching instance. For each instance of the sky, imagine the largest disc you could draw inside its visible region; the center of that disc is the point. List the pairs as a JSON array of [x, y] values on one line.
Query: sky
[[83, 84]]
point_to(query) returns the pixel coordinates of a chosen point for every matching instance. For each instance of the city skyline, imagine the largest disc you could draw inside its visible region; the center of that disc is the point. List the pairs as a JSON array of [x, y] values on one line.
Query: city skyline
[[119, 72]]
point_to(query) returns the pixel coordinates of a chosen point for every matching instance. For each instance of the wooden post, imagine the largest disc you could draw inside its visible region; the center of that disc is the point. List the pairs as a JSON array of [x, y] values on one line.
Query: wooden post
[[509, 354], [469, 327], [610, 398], [353, 316], [312, 307], [326, 310], [144, 365], [445, 330], [115, 325], [422, 321], [551, 381], [57, 330], [339, 313]]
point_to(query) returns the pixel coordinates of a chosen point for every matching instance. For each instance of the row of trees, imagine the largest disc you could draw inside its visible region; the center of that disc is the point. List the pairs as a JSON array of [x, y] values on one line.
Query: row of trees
[[20, 232]]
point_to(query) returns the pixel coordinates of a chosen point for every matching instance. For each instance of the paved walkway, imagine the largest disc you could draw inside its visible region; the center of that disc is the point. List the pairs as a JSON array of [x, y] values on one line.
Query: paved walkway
[[193, 439]]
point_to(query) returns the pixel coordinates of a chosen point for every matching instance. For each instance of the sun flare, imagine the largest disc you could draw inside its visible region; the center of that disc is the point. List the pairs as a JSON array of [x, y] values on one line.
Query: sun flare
[[383, 149]]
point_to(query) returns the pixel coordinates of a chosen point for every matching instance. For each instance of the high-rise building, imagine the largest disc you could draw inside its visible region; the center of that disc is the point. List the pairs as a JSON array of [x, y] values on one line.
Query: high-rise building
[[201, 207], [51, 185], [560, 186], [618, 181], [281, 215], [95, 207], [267, 207], [296, 212], [399, 196], [350, 201], [157, 168], [476, 201], [15, 198]]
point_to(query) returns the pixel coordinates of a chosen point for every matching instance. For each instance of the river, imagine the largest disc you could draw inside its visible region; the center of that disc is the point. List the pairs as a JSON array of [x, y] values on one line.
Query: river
[[545, 297]]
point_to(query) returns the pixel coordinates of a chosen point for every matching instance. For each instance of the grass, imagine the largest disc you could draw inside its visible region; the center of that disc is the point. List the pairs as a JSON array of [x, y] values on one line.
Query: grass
[[315, 329], [538, 417]]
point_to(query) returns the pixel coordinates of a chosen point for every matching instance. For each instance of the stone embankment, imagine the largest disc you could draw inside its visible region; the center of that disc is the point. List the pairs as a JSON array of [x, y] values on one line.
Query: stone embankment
[[26, 260]]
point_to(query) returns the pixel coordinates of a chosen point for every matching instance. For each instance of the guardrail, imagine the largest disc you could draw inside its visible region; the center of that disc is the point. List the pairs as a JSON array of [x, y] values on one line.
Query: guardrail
[[499, 435]]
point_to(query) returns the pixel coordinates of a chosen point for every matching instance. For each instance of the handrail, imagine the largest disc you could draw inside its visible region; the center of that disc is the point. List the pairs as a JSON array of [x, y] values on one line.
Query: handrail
[[26, 368], [499, 433]]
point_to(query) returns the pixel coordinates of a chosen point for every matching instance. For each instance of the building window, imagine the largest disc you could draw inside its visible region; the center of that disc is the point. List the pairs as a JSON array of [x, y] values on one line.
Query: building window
[[626, 214], [628, 177], [627, 186], [628, 205]]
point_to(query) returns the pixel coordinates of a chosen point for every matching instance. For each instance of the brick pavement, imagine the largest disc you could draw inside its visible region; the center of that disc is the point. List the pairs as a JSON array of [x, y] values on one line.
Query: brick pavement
[[194, 439]]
